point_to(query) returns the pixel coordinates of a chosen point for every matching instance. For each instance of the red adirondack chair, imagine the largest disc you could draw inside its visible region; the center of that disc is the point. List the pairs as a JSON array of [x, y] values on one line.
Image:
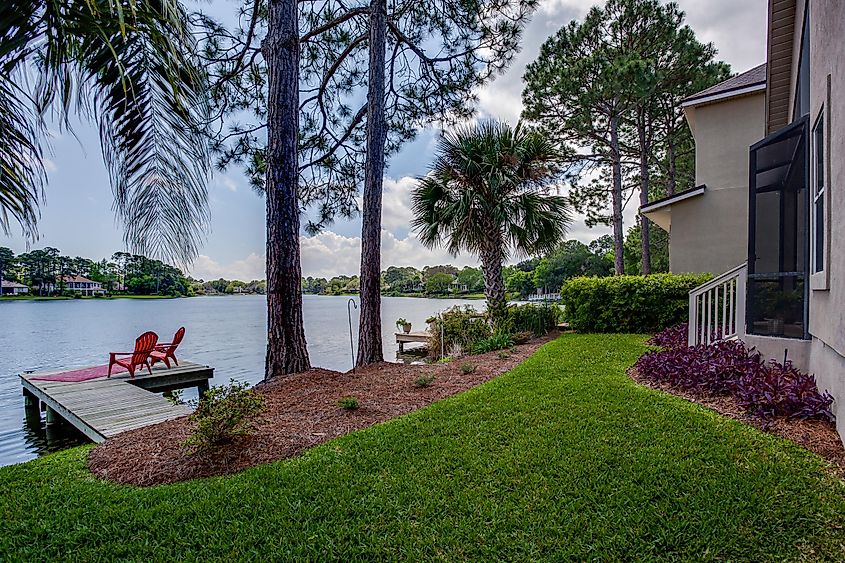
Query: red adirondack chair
[[144, 344], [166, 352]]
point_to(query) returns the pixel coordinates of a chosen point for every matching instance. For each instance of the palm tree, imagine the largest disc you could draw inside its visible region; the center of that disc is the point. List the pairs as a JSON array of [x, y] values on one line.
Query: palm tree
[[486, 193], [131, 67]]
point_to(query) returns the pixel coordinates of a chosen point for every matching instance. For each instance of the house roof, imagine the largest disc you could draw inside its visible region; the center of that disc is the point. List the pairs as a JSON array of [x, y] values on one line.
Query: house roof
[[741, 84], [7, 283], [77, 279], [660, 211]]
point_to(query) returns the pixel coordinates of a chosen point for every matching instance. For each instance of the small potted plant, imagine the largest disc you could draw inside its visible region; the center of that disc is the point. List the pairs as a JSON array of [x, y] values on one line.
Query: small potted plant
[[404, 325]]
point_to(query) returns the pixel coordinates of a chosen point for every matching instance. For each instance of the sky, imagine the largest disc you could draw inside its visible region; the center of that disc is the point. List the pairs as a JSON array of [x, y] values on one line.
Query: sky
[[78, 219]]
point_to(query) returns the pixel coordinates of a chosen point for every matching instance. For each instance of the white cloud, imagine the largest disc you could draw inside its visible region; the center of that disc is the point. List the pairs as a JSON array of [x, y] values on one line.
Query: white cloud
[[330, 254], [247, 269], [49, 165], [396, 203], [226, 182]]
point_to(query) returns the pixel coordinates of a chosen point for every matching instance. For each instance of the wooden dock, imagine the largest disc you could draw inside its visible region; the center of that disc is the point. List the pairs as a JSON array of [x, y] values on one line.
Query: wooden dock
[[403, 338], [101, 408]]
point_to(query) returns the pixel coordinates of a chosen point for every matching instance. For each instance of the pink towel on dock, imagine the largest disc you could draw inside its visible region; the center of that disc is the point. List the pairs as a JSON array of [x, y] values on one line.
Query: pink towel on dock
[[83, 374]]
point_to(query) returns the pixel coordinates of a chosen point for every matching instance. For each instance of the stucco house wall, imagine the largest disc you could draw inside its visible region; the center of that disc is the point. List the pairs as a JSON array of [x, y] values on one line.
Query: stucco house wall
[[723, 131], [827, 306]]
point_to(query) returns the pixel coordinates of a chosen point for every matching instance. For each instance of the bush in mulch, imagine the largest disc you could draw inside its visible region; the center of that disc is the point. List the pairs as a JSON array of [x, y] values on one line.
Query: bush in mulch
[[498, 341], [424, 380], [764, 389], [348, 403], [222, 414]]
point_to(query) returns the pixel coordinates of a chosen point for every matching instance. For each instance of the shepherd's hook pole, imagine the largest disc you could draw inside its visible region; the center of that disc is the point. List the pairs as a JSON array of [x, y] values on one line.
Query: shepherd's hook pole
[[351, 340]]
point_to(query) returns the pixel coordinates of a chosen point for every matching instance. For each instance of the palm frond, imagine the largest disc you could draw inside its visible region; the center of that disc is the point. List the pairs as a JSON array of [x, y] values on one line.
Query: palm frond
[[131, 66], [149, 101], [22, 172]]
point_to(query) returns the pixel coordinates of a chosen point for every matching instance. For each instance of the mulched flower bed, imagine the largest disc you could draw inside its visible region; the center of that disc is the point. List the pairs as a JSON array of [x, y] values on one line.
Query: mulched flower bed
[[301, 411], [818, 436]]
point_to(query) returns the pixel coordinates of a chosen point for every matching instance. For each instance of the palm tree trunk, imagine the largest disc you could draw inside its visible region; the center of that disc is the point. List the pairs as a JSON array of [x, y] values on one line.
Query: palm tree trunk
[[286, 347], [369, 327], [618, 235], [494, 283]]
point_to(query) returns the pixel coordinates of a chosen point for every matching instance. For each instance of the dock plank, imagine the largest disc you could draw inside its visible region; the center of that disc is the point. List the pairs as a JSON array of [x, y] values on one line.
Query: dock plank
[[104, 407]]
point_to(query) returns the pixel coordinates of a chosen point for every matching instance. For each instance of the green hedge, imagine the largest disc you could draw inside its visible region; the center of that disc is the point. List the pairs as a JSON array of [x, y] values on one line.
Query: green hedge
[[538, 319], [633, 304]]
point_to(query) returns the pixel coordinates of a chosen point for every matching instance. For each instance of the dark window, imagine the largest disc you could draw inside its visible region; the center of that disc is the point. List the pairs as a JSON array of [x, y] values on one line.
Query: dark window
[[818, 194], [777, 238]]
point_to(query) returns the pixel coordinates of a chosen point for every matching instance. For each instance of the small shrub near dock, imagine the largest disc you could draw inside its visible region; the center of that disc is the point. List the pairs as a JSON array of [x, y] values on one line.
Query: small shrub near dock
[[468, 368], [223, 414], [424, 380], [348, 403]]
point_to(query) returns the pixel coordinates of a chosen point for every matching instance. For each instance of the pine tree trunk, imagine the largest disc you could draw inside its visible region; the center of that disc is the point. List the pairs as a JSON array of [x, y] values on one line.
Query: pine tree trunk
[[618, 235], [369, 327], [671, 181], [645, 148], [286, 347]]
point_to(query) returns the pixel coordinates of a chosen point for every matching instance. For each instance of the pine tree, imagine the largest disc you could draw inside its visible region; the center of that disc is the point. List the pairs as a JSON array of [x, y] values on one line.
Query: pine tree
[[429, 58]]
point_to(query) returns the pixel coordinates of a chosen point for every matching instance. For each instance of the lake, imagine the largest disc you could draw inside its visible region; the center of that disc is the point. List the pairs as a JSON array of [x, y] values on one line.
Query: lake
[[228, 333]]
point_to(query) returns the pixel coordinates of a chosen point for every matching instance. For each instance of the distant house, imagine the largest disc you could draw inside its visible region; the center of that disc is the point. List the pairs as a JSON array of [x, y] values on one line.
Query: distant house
[[767, 209], [83, 285], [13, 288], [456, 287]]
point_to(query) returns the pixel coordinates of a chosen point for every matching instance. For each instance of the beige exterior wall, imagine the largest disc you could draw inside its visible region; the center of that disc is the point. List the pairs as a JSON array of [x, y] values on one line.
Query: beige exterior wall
[[827, 306], [709, 233], [824, 354]]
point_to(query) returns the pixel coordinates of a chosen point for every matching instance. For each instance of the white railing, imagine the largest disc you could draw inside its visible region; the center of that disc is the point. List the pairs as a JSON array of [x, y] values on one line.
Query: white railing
[[544, 297], [717, 308]]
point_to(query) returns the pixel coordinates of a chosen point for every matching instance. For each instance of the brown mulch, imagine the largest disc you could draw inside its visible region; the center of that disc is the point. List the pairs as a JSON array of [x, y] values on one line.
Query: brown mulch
[[300, 411], [818, 436]]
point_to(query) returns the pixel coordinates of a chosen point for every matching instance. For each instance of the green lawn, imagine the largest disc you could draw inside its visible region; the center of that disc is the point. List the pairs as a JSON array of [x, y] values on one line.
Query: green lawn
[[562, 458]]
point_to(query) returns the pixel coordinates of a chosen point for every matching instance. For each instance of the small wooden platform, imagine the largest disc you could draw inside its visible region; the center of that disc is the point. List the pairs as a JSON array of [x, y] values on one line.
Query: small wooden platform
[[101, 408], [403, 338]]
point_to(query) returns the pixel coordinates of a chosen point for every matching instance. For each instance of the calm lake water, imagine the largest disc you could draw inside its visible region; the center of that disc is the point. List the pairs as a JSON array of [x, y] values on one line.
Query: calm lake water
[[228, 333]]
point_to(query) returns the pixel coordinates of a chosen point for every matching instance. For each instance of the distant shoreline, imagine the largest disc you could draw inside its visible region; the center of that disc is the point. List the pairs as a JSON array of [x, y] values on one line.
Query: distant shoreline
[[468, 297], [85, 297]]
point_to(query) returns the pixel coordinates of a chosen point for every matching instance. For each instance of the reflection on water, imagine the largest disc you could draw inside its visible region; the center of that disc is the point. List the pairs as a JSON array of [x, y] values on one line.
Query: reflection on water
[[228, 333]]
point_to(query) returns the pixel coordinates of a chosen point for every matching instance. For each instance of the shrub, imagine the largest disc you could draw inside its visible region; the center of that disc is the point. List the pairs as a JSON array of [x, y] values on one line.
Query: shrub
[[764, 389], [628, 303], [176, 397], [461, 327], [468, 368], [776, 389], [424, 380], [498, 341], [348, 403], [671, 338], [522, 337], [537, 319], [222, 414]]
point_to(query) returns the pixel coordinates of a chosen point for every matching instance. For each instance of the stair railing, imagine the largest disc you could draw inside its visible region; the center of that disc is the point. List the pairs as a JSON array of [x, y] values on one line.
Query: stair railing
[[717, 308]]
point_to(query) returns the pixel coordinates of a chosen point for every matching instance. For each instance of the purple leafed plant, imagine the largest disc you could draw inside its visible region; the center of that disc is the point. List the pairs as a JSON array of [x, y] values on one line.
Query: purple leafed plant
[[765, 389], [672, 338]]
